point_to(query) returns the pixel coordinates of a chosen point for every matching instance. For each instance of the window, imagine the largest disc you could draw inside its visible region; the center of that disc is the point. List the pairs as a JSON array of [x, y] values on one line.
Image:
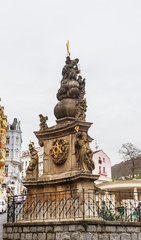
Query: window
[[17, 140], [7, 140], [7, 153], [6, 168], [99, 169], [103, 159], [26, 164], [100, 161], [103, 169]]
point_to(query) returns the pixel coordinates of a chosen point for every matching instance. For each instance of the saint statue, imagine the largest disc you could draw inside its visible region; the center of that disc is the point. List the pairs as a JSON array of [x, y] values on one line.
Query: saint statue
[[84, 153], [32, 169]]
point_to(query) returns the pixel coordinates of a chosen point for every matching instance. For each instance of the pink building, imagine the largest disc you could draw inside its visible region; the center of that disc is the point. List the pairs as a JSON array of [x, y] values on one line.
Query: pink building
[[102, 165]]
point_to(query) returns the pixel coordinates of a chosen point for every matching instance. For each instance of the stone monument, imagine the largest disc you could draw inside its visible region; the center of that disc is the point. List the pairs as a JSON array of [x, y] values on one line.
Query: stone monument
[[67, 161]]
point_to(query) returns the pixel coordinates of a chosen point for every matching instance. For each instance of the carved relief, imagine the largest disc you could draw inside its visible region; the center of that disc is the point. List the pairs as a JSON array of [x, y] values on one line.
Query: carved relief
[[71, 92], [84, 153], [59, 151], [32, 169], [72, 84], [81, 109]]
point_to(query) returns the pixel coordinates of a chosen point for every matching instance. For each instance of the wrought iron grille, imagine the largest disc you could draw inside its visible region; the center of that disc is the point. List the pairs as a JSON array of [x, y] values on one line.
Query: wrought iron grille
[[75, 204]]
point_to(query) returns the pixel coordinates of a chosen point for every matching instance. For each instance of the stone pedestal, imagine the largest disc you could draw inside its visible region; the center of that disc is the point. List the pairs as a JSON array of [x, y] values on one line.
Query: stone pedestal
[[63, 176], [76, 181]]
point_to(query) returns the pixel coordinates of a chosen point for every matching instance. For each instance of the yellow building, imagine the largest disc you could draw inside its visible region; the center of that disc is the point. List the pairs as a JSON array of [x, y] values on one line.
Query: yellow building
[[3, 129]]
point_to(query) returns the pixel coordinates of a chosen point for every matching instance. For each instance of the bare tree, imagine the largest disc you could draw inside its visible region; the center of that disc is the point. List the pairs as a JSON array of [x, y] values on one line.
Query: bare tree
[[130, 152]]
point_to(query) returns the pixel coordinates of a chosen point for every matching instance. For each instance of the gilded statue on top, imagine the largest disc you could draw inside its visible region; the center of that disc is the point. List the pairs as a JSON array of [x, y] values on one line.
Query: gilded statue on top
[[84, 153], [32, 169]]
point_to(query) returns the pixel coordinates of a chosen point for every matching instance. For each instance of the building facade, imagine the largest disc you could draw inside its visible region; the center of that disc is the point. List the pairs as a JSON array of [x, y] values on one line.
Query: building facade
[[13, 165], [102, 165], [3, 129]]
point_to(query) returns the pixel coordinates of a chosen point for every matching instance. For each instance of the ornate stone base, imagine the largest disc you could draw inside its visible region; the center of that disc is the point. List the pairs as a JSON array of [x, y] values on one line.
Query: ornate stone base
[[60, 144], [77, 181], [64, 158]]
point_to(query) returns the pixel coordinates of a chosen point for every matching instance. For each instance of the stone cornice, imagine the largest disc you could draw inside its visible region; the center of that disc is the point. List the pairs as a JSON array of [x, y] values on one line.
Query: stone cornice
[[63, 130], [77, 177]]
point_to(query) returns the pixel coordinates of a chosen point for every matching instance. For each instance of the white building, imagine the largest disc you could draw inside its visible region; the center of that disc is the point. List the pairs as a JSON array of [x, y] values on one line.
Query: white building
[[102, 165], [13, 164], [25, 158]]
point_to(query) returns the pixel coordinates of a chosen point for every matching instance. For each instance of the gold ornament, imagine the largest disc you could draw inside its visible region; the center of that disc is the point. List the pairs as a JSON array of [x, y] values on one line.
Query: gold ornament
[[59, 151], [68, 46], [32, 143], [77, 129], [85, 101], [56, 149]]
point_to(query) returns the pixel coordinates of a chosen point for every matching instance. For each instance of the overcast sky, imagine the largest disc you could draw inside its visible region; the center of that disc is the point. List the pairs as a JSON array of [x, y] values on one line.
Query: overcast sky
[[106, 37]]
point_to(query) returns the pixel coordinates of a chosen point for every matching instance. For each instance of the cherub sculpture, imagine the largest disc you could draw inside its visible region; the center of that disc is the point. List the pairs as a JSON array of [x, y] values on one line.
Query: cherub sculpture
[[43, 124]]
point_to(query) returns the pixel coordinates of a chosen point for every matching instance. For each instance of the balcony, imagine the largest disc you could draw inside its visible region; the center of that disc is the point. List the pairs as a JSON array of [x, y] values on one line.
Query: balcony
[[11, 174]]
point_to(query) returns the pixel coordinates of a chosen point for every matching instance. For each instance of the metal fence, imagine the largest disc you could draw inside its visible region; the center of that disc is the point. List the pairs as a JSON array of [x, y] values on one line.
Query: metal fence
[[75, 204]]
